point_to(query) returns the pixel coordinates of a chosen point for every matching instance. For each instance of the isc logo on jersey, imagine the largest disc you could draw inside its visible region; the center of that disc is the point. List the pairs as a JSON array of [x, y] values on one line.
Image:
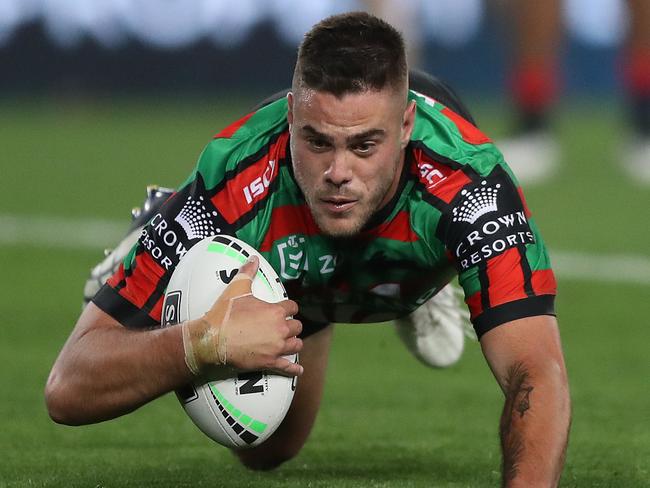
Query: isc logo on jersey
[[431, 175], [257, 187], [236, 410]]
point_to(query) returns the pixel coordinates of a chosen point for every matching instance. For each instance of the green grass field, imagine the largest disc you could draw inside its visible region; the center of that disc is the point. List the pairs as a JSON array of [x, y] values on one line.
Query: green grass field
[[386, 421]]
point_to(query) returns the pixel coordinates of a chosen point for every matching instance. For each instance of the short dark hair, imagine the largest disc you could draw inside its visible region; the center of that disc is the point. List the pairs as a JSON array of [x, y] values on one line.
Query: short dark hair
[[351, 53]]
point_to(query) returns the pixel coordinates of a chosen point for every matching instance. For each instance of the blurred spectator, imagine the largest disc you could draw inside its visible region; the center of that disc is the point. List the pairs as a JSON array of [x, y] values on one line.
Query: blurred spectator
[[532, 151]]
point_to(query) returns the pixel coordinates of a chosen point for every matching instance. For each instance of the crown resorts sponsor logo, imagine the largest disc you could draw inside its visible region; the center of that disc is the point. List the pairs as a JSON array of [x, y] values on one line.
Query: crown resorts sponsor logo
[[194, 219], [477, 202], [168, 243], [489, 227]]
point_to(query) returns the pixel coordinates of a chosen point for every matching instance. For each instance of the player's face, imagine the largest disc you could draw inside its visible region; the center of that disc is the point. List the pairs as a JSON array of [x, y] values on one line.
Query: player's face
[[348, 153]]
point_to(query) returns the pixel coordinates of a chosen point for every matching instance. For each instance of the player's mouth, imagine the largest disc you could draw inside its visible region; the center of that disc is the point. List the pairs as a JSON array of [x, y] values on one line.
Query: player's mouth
[[338, 205]]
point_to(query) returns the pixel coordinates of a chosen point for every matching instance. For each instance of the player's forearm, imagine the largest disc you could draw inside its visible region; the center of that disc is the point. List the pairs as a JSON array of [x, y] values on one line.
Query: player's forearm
[[112, 371], [534, 424]]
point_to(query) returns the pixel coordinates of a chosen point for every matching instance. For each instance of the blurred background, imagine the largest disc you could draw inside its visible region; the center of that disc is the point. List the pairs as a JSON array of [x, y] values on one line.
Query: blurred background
[[126, 46], [99, 98]]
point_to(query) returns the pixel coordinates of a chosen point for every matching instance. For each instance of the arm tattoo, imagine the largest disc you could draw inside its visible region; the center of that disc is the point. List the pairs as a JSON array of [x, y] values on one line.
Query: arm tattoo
[[518, 393], [524, 403]]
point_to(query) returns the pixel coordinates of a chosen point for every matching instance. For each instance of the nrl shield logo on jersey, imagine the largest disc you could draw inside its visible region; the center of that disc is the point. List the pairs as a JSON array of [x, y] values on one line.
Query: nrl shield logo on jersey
[[293, 257]]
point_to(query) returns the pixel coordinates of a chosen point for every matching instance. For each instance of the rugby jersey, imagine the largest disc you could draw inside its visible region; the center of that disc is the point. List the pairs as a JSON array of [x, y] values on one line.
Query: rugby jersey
[[458, 211]]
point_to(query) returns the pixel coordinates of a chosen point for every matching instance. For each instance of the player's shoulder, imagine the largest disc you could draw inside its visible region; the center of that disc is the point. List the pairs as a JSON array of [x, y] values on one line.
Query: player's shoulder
[[254, 140], [252, 132], [442, 135], [258, 123], [451, 157]]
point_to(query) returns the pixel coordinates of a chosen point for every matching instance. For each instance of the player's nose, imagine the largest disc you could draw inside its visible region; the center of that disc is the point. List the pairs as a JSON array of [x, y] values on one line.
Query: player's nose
[[339, 171]]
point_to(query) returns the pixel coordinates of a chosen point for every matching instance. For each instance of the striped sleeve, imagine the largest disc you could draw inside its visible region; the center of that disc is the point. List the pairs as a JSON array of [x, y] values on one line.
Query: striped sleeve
[[484, 222], [134, 294], [497, 249], [229, 184]]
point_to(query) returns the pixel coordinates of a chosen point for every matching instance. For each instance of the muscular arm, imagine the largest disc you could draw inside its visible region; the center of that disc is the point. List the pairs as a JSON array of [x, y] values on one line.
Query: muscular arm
[[526, 358], [106, 370]]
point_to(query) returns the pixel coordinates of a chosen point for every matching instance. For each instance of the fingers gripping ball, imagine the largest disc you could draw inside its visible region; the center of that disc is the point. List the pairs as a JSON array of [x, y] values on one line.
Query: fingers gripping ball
[[206, 339], [233, 313]]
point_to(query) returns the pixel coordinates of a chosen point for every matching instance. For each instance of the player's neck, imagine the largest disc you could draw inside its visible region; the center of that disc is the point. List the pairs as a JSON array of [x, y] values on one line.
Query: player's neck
[[396, 180]]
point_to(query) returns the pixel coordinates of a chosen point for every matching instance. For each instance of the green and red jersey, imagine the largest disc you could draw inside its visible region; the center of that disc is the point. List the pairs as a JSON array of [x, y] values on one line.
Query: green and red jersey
[[458, 211]]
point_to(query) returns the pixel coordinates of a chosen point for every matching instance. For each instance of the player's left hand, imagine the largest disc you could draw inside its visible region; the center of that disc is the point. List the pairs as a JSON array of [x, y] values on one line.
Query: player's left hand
[[244, 332]]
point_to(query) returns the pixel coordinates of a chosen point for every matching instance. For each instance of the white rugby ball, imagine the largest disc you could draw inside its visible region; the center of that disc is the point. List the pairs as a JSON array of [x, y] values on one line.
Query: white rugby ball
[[236, 410]]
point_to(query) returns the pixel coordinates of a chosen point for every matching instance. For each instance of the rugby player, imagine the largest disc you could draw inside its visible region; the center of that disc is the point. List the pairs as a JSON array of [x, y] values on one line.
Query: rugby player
[[368, 199]]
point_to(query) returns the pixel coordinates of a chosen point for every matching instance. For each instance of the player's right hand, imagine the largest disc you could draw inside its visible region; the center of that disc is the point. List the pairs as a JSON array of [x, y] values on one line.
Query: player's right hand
[[244, 332]]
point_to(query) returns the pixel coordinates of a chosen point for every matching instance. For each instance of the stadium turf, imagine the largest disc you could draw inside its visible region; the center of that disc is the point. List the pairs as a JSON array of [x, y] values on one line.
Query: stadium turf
[[386, 421]]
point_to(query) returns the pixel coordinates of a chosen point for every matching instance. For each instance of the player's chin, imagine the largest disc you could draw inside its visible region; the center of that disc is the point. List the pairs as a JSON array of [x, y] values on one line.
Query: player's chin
[[340, 226]]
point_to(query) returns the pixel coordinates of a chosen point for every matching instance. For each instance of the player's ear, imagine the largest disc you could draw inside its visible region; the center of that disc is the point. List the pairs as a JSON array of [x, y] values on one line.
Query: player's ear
[[408, 122], [290, 109]]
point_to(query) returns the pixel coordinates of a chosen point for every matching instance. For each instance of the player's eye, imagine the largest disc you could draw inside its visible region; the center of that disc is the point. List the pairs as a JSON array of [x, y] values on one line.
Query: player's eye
[[364, 148], [318, 145]]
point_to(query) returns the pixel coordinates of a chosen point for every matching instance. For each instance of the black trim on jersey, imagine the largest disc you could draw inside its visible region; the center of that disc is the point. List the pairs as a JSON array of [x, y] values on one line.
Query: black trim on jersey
[[474, 175], [118, 307], [469, 171], [438, 158], [129, 271], [259, 205], [485, 285], [519, 309], [428, 197], [288, 161], [528, 273], [244, 164], [270, 99], [433, 200], [159, 291], [122, 282]]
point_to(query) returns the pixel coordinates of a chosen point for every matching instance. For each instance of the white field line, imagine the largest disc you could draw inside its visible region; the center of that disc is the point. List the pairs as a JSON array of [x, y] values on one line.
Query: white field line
[[90, 234], [609, 268], [59, 232]]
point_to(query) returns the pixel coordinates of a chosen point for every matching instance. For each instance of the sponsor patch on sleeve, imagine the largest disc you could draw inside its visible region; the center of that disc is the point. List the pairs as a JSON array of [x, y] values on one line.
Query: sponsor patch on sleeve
[[486, 218], [184, 220]]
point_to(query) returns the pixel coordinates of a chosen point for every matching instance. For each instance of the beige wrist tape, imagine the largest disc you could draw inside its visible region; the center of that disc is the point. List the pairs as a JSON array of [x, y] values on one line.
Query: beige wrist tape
[[190, 358], [205, 340]]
